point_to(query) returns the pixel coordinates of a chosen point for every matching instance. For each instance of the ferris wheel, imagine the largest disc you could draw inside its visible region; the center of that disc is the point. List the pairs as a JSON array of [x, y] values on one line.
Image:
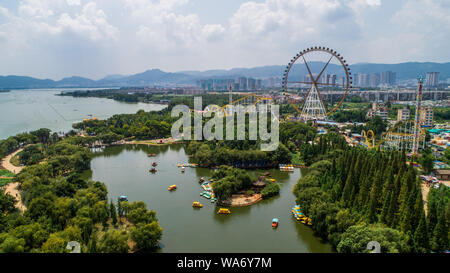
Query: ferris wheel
[[320, 93]]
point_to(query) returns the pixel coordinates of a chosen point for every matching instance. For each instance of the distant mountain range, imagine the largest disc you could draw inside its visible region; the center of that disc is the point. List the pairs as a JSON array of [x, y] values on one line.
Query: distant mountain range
[[153, 77]]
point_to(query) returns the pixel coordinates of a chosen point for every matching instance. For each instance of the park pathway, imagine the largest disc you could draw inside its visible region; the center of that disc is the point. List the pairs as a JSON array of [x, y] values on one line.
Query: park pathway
[[12, 188]]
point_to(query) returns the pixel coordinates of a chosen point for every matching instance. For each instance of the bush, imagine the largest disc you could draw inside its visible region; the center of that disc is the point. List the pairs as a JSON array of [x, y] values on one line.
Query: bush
[[270, 190]]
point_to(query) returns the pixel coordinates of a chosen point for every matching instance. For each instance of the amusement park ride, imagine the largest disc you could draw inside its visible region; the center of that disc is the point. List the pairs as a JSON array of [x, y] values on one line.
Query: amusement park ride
[[246, 104], [406, 136], [313, 107]]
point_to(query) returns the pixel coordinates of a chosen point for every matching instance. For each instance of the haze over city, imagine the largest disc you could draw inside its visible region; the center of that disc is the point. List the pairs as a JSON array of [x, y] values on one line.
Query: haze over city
[[56, 39]]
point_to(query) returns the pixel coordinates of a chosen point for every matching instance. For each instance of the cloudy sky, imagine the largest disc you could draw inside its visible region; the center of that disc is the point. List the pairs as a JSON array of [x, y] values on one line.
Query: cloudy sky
[[93, 38]]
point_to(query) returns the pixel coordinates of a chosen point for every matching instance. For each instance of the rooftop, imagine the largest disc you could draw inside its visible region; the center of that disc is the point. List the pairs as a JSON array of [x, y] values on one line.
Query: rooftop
[[443, 172]]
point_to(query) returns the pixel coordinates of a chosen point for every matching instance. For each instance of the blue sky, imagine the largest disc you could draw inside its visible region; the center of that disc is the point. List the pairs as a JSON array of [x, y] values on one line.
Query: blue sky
[[95, 38]]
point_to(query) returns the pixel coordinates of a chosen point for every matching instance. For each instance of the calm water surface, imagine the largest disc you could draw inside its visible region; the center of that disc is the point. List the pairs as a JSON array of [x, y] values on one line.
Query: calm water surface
[[27, 110], [125, 170]]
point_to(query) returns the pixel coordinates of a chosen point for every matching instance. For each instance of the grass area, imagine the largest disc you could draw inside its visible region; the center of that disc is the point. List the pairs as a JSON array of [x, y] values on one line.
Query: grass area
[[4, 182], [6, 173], [355, 105]]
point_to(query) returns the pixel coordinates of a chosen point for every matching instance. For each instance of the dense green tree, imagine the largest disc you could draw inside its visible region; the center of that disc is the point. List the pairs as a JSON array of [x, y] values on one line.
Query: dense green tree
[[356, 238], [113, 213], [11, 244], [421, 239], [146, 236], [114, 241], [427, 163], [54, 244]]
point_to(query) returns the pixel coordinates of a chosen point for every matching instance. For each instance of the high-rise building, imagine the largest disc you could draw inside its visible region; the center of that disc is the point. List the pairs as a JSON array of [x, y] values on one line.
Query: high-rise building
[[363, 80], [426, 116], [403, 114], [251, 84], [242, 83], [333, 79], [355, 79], [342, 82], [374, 80], [388, 78], [326, 79], [432, 79], [258, 85]]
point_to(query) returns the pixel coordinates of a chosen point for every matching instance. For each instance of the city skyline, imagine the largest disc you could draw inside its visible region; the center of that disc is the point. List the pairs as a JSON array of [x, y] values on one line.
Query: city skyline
[[57, 39]]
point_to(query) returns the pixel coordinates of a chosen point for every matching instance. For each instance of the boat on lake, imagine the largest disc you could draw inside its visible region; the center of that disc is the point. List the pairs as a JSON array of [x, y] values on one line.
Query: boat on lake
[[154, 164], [153, 170], [286, 168], [172, 187], [275, 222], [123, 198], [223, 211], [197, 204], [300, 216]]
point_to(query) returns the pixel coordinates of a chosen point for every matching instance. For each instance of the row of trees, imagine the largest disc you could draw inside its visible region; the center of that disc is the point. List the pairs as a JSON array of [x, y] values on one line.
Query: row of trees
[[361, 195], [211, 153]]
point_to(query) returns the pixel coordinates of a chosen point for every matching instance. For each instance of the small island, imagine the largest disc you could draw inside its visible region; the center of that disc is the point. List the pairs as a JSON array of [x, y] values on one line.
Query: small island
[[236, 188]]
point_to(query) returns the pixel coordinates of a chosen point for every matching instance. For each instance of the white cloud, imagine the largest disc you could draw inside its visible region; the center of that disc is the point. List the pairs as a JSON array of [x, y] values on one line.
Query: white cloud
[[213, 32], [92, 22], [97, 37], [73, 2]]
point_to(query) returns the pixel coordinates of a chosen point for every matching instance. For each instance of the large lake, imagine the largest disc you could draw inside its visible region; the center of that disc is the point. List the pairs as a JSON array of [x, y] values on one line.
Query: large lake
[[27, 110], [125, 171]]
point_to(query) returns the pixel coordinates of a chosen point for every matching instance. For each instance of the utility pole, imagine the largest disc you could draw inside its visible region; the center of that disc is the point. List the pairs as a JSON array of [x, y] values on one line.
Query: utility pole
[[416, 144]]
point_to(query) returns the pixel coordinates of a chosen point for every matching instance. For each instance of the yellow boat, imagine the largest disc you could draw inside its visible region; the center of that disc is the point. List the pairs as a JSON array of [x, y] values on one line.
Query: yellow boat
[[197, 204], [173, 187], [223, 211]]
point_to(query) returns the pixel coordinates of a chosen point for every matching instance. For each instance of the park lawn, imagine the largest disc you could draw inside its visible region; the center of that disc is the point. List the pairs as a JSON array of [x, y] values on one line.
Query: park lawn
[[4, 181], [355, 105], [6, 173]]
